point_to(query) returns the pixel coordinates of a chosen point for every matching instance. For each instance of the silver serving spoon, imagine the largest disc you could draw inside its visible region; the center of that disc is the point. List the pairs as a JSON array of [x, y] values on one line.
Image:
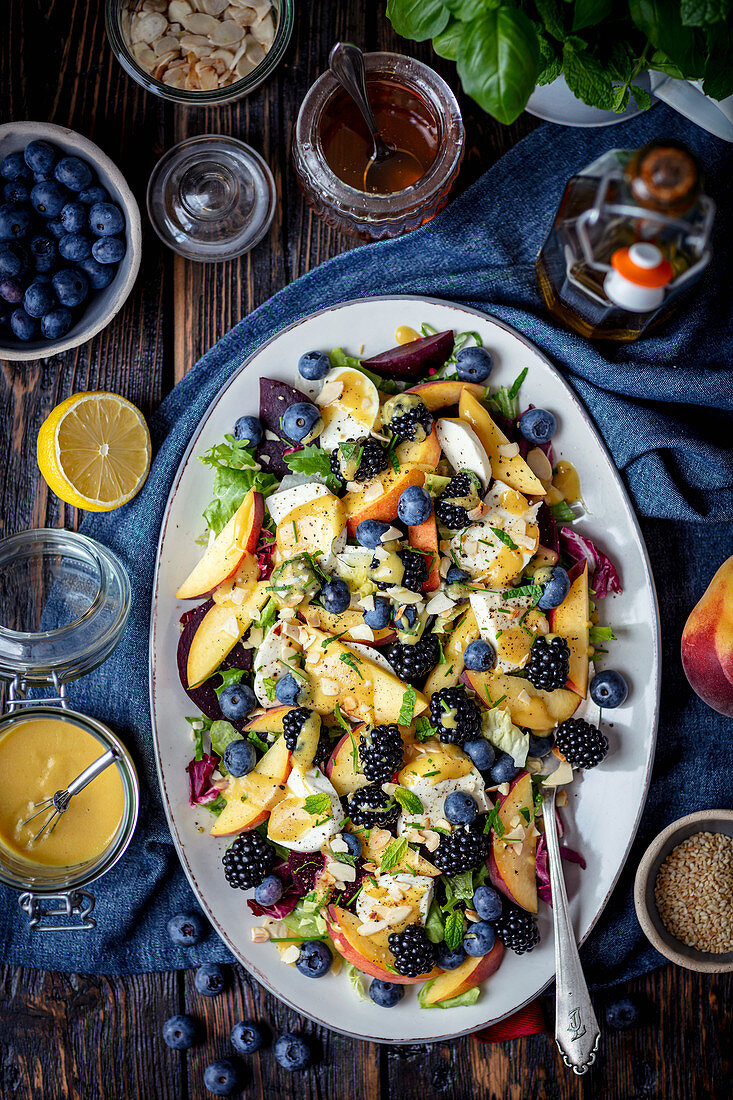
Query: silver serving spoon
[[346, 62], [576, 1029], [60, 801]]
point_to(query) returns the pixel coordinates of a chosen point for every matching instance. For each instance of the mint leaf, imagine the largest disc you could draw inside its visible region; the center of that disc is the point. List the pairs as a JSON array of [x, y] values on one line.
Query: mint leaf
[[408, 707], [503, 537], [217, 805], [453, 934], [552, 14], [316, 804], [434, 924], [600, 634], [589, 13], [409, 801], [395, 851], [587, 78], [424, 730], [533, 590], [353, 662]]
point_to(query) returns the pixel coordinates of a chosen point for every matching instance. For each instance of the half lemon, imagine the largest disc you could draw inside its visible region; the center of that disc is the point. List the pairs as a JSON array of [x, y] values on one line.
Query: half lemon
[[94, 451]]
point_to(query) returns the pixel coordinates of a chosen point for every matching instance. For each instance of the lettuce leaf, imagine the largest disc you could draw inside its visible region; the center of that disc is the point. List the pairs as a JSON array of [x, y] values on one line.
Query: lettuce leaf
[[356, 981], [468, 998], [236, 472], [221, 734], [498, 728]]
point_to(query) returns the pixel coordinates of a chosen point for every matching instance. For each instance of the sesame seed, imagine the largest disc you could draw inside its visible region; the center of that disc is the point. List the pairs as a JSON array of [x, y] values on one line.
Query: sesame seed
[[694, 892]]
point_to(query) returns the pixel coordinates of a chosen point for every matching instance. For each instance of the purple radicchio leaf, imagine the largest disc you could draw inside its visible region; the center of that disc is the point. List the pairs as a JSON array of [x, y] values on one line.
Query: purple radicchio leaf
[[543, 866], [581, 548], [200, 788]]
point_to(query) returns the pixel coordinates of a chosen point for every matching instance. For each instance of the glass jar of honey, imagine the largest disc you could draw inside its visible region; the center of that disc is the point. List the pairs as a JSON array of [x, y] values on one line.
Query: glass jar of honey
[[415, 111], [64, 602]]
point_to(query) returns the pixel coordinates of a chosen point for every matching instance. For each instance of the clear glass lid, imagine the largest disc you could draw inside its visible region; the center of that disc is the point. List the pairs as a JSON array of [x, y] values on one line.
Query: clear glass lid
[[64, 602]]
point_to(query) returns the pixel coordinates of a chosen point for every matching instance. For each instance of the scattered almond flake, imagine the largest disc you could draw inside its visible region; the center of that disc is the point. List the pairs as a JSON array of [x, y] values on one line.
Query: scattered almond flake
[[502, 788], [258, 934], [482, 509], [432, 839], [380, 553], [444, 545], [379, 838], [331, 390], [338, 844], [265, 459], [562, 774], [379, 436], [508, 450], [403, 595], [330, 688], [361, 633], [395, 891], [391, 534], [367, 603], [326, 878], [439, 603], [231, 627], [287, 613], [371, 927], [238, 596], [539, 464], [369, 868], [472, 915], [355, 486], [393, 914], [373, 491], [525, 541], [291, 954], [533, 831], [271, 435], [523, 697], [516, 820], [341, 872], [534, 765], [256, 635]]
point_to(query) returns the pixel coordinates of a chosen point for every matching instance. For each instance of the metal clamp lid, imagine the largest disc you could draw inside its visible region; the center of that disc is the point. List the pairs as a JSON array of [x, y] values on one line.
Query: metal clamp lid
[[78, 904]]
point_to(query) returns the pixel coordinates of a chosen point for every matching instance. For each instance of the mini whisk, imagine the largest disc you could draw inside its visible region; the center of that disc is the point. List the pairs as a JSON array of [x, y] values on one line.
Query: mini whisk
[[60, 801]]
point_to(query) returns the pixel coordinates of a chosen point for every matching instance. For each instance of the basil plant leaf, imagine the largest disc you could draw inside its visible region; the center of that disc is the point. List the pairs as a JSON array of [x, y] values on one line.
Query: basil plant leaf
[[498, 62]]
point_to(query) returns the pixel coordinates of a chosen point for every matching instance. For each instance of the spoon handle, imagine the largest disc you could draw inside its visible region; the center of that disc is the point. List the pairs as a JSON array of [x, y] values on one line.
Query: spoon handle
[[95, 768], [576, 1029], [346, 62]]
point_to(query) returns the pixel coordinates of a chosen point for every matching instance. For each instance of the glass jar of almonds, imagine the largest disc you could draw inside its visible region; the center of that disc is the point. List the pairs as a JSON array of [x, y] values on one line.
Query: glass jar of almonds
[[199, 52]]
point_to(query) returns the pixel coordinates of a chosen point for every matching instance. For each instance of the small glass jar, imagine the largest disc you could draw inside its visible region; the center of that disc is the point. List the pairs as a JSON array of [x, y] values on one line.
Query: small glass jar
[[117, 13], [376, 216], [64, 602]]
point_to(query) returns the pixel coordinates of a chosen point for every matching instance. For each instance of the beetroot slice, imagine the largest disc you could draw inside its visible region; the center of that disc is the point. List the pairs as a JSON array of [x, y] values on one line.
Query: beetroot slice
[[270, 456], [411, 361], [275, 398], [204, 697]]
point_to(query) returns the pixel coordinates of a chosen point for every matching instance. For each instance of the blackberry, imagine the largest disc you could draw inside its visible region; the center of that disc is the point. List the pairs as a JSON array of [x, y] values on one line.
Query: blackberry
[[324, 749], [293, 722], [413, 952], [455, 706], [415, 571], [462, 849], [412, 663], [404, 426], [548, 666], [381, 751], [582, 744], [248, 861], [452, 515], [371, 806], [359, 459], [517, 929]]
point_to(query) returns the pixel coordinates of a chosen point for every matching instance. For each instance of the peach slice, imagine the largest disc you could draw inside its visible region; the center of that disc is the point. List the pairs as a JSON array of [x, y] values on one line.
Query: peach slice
[[424, 536], [311, 527], [226, 553], [219, 631], [270, 721], [370, 954], [443, 393], [343, 764], [384, 507], [425, 453], [529, 706], [572, 621], [707, 643], [449, 673], [342, 625], [471, 972], [512, 865], [513, 471], [250, 797]]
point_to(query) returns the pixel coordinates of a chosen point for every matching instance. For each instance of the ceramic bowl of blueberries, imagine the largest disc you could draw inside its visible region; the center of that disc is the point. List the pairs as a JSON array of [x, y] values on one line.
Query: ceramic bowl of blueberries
[[70, 240]]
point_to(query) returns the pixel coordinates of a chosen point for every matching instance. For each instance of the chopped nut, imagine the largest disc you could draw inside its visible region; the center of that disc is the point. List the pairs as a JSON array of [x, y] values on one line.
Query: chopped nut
[[258, 934]]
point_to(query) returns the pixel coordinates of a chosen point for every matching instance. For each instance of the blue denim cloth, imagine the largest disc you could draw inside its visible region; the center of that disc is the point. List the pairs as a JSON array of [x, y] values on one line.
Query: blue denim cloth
[[663, 406]]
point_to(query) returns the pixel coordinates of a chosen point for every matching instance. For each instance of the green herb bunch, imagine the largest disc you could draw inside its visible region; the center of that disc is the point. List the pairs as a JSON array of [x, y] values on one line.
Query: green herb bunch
[[503, 48]]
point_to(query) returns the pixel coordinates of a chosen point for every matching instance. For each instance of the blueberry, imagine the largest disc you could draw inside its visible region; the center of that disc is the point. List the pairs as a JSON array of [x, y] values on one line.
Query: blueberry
[[55, 227], [38, 299], [99, 275], [106, 219], [479, 656], [415, 506], [474, 364], [369, 533], [315, 959], [239, 757], [447, 959], [16, 193], [74, 217], [287, 690], [74, 173], [93, 194], [23, 326], [247, 1036], [407, 619], [386, 994], [11, 290], [48, 199], [481, 752], [14, 167], [456, 575], [336, 596], [247, 428], [608, 689], [479, 939], [75, 247], [299, 420], [13, 260], [270, 890], [504, 770], [108, 250], [460, 808], [487, 903], [40, 156], [187, 929], [210, 979], [554, 589], [237, 701], [44, 253], [180, 1032], [314, 365], [538, 425], [71, 286], [15, 222], [540, 746], [223, 1077], [292, 1052], [379, 617], [353, 843], [623, 1013], [42, 177]]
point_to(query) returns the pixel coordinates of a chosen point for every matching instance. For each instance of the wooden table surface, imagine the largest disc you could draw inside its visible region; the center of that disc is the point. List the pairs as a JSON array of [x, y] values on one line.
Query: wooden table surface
[[70, 1036]]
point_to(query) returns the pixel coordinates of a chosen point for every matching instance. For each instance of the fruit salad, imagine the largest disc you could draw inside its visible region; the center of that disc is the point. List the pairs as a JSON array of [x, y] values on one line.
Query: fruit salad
[[394, 644]]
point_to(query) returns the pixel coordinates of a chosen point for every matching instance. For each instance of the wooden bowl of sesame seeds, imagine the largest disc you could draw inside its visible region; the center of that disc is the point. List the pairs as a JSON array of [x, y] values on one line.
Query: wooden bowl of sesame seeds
[[683, 892]]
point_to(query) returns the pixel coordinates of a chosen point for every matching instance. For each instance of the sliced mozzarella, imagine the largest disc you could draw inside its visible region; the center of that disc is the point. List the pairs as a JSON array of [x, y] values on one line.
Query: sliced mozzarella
[[371, 653], [397, 899], [463, 448], [478, 545], [274, 649], [492, 621], [351, 414], [299, 786], [279, 504], [433, 795]]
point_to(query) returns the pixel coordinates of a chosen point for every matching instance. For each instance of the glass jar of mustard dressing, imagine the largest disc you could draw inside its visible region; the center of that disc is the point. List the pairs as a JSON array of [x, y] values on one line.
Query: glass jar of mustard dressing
[[64, 602]]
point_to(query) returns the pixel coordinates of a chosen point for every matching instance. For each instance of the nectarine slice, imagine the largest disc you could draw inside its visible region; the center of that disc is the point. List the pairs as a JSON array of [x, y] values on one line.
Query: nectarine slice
[[471, 972], [367, 954], [513, 471], [511, 863], [572, 621], [529, 706], [223, 558]]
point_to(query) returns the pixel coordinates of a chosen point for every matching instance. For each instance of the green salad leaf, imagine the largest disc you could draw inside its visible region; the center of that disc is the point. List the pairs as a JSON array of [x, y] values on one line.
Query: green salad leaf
[[222, 733], [468, 998], [236, 472], [312, 460]]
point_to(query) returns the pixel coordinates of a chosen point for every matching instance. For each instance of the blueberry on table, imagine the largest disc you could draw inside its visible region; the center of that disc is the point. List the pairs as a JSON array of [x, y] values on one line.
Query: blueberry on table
[[74, 247], [292, 1052], [299, 420], [623, 1013], [16, 193], [540, 746], [287, 690], [247, 1036], [487, 902], [108, 250], [71, 286], [504, 770], [380, 615], [223, 1077], [538, 425], [479, 939], [40, 156], [99, 275], [44, 253], [237, 701], [15, 222], [11, 290], [187, 929], [353, 843], [13, 260], [38, 299], [481, 752], [106, 219], [93, 194], [554, 588], [239, 757], [369, 533], [447, 959], [210, 979], [48, 199], [248, 428], [414, 506], [14, 167], [22, 325], [474, 364], [315, 959], [179, 1032], [456, 575], [479, 656], [335, 596], [314, 365], [74, 173], [608, 689], [74, 217], [269, 891], [460, 808], [386, 994]]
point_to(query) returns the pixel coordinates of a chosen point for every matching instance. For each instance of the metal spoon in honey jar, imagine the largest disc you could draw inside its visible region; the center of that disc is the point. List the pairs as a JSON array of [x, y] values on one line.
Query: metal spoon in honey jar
[[389, 169]]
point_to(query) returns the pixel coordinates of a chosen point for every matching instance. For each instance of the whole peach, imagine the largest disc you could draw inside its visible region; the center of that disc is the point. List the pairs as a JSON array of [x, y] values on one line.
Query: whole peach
[[707, 643]]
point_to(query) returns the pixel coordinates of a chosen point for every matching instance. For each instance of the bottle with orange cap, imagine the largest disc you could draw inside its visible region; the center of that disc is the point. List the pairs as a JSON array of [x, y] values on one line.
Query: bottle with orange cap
[[630, 237]]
